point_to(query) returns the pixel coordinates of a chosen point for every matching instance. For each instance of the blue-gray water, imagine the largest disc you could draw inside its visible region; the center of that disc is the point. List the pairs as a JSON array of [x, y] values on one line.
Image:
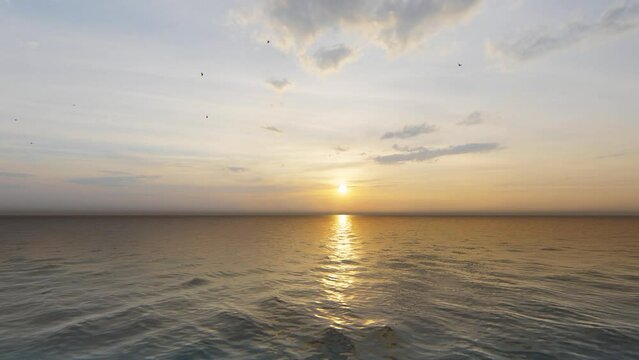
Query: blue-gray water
[[319, 287]]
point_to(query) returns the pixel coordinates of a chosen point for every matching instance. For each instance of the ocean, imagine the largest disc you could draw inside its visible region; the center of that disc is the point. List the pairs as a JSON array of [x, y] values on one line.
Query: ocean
[[319, 287]]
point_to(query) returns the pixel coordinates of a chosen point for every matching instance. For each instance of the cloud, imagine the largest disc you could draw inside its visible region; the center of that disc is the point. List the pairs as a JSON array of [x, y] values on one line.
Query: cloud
[[532, 44], [236, 169], [473, 118], [341, 148], [406, 148], [272, 128], [296, 23], [279, 84], [113, 181], [14, 175], [327, 59], [294, 26], [409, 131], [116, 172], [422, 153], [408, 23], [614, 155]]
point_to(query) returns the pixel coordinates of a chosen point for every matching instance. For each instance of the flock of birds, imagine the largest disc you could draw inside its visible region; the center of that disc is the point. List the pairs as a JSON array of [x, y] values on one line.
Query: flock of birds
[[201, 75]]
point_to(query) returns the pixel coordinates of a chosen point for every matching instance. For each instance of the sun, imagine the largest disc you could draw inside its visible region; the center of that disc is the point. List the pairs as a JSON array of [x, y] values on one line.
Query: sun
[[342, 188]]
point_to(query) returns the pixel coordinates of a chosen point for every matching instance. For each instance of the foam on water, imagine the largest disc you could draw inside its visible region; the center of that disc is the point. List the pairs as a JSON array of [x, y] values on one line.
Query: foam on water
[[324, 287]]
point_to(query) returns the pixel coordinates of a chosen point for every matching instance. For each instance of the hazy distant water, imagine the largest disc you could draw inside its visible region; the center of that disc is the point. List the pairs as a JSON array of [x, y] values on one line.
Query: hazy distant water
[[319, 287]]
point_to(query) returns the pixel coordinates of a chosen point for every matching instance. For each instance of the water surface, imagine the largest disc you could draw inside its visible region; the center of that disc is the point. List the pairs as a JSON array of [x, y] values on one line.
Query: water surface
[[319, 287]]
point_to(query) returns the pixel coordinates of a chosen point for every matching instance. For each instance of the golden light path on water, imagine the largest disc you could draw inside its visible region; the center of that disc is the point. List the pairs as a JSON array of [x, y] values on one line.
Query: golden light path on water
[[341, 271]]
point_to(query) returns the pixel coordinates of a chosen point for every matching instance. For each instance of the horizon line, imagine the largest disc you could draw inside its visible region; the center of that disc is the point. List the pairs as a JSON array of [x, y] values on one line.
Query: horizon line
[[146, 213]]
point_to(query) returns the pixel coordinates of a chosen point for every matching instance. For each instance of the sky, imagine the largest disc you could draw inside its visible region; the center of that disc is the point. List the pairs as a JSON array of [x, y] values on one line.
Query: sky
[[431, 106]]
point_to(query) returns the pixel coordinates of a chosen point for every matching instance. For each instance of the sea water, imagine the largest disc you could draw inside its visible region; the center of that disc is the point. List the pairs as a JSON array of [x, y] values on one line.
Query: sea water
[[319, 287]]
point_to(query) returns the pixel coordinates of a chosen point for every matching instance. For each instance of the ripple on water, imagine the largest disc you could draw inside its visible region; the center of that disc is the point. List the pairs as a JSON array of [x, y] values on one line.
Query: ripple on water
[[102, 330], [320, 288], [332, 343], [195, 282]]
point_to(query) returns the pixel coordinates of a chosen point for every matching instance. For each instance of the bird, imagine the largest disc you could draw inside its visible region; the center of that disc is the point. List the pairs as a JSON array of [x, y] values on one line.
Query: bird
[[458, 64], [207, 116], [201, 74], [268, 41], [15, 119]]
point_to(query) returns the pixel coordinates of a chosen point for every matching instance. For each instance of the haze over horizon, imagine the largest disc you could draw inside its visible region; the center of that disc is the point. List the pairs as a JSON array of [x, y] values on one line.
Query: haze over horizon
[[380, 106]]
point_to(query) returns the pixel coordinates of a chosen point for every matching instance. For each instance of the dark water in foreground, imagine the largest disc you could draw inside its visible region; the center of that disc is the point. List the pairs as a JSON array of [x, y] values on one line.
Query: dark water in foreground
[[319, 287]]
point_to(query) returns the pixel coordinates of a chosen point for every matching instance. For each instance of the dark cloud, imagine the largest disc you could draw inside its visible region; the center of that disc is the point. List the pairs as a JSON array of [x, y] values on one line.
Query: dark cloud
[[14, 175], [294, 25], [236, 169], [474, 118], [279, 84], [272, 128], [422, 153], [113, 181], [409, 131], [331, 58], [615, 20], [298, 22], [409, 22]]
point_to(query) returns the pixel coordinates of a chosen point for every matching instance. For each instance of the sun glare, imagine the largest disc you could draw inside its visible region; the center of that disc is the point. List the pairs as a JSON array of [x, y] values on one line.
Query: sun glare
[[343, 189]]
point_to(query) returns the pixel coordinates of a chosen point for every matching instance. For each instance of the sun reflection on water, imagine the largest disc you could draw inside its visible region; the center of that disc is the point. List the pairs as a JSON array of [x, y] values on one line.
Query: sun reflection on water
[[340, 275], [342, 234]]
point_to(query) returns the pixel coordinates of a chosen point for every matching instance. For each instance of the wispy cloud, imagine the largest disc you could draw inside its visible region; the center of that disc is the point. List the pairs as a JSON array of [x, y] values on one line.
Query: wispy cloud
[[14, 175], [409, 131], [295, 25], [422, 153], [327, 59], [532, 44], [236, 169], [113, 181], [272, 128], [279, 84], [341, 148], [473, 118], [116, 172], [614, 155], [406, 148]]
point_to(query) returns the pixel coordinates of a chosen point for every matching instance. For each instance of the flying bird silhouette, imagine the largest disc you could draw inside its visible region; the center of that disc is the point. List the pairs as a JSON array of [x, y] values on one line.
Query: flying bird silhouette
[[458, 64], [201, 74]]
